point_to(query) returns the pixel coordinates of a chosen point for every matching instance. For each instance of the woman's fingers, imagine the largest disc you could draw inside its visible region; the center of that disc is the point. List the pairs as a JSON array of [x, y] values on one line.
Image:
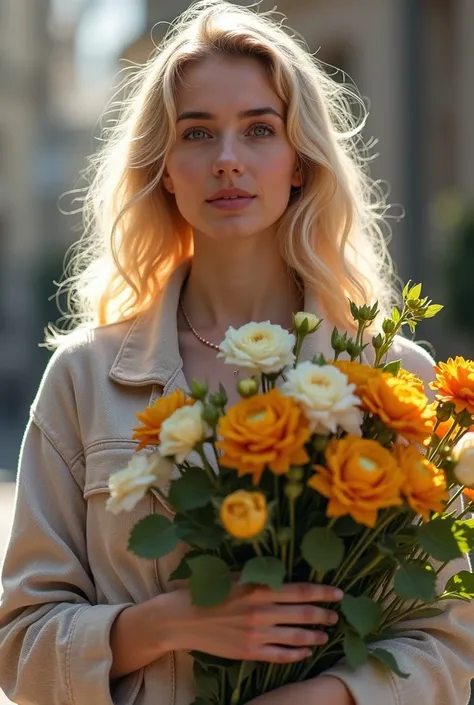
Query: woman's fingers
[[297, 592], [292, 636], [302, 614], [278, 654]]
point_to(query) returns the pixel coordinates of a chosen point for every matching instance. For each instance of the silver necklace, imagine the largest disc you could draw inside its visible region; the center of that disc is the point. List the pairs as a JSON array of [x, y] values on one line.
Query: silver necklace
[[199, 337]]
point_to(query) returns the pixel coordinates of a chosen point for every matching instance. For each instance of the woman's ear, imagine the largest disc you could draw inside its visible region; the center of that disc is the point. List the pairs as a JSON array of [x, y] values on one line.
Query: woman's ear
[[167, 182], [296, 178]]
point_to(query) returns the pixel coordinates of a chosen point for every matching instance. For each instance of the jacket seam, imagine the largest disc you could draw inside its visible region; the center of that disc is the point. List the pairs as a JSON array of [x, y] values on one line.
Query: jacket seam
[[68, 653], [47, 435]]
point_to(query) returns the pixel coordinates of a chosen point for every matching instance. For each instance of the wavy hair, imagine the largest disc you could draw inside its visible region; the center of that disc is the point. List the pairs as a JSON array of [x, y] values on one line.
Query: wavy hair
[[333, 233]]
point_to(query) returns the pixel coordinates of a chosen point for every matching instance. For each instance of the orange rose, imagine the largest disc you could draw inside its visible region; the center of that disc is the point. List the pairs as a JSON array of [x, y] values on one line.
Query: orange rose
[[455, 383], [424, 485], [356, 372], [153, 417], [263, 430], [411, 379], [469, 494], [400, 406], [360, 478]]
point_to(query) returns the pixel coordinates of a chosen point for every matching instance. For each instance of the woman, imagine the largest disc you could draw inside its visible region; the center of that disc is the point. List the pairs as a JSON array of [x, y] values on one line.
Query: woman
[[230, 191]]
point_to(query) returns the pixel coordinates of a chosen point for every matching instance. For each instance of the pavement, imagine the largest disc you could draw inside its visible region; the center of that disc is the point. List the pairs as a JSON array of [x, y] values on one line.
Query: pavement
[[7, 491]]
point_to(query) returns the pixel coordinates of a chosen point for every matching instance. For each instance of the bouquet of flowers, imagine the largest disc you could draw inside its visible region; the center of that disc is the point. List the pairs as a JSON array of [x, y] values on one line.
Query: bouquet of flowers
[[334, 471]]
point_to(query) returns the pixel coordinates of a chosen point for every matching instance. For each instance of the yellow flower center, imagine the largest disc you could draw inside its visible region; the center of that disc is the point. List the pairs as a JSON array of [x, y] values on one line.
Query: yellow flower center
[[257, 337], [258, 416]]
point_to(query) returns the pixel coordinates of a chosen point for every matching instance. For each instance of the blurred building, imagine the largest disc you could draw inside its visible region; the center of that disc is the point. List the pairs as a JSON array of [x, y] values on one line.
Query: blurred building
[[23, 96]]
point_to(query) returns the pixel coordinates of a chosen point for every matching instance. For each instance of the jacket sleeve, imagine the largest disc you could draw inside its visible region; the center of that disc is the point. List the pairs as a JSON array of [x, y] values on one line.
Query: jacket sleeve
[[54, 638], [435, 651]]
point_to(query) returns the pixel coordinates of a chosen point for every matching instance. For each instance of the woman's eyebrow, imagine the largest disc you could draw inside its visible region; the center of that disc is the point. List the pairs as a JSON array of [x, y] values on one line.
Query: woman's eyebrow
[[253, 112]]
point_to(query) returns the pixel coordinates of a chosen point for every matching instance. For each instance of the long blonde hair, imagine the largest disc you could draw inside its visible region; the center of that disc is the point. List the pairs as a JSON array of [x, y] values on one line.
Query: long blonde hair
[[332, 234]]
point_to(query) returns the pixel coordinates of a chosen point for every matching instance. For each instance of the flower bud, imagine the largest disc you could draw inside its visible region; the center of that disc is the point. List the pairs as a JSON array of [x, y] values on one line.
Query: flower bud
[[465, 419], [244, 514], [199, 390], [293, 490], [305, 323], [295, 474], [444, 411], [210, 414], [388, 326], [320, 443], [352, 349], [219, 398], [377, 341], [247, 387], [284, 535], [338, 342]]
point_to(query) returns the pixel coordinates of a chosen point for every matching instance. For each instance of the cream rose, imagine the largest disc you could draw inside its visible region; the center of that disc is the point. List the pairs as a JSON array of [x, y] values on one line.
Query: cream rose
[[127, 487], [463, 454], [181, 432], [326, 396], [301, 316], [259, 347]]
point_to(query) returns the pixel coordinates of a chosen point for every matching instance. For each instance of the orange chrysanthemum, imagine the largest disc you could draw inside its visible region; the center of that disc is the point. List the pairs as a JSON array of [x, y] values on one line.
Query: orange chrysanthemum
[[400, 406], [424, 485], [266, 430], [412, 379], [356, 372], [360, 477], [152, 418], [469, 494], [455, 383]]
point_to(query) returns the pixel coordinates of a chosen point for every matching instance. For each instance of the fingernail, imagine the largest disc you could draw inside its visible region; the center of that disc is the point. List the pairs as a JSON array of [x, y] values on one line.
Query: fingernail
[[333, 617], [338, 594]]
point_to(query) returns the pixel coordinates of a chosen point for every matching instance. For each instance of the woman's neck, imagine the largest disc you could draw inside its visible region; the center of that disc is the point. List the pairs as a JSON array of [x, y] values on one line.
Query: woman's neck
[[232, 283]]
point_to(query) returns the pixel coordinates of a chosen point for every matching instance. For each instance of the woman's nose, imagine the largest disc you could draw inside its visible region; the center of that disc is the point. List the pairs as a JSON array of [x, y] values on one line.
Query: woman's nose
[[228, 160]]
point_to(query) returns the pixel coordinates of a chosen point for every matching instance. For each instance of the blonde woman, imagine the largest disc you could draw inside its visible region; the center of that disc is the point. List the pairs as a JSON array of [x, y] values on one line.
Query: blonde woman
[[230, 190]]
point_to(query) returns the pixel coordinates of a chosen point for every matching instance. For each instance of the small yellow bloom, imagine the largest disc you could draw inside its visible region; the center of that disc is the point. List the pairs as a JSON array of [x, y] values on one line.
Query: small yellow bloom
[[302, 316], [360, 477], [244, 514], [424, 485], [400, 406], [263, 430], [455, 383], [152, 418]]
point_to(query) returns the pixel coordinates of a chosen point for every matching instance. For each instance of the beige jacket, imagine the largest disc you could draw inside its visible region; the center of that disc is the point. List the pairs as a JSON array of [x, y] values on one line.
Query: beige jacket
[[68, 574]]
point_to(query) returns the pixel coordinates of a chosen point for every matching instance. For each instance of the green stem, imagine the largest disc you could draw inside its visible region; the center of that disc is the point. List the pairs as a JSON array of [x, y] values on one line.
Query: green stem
[[268, 677], [276, 490], [235, 697], [364, 572], [292, 540]]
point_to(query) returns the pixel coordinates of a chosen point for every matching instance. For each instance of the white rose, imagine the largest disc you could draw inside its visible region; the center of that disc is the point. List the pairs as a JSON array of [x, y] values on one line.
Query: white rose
[[259, 347], [127, 487], [313, 321], [463, 454], [181, 432], [326, 396]]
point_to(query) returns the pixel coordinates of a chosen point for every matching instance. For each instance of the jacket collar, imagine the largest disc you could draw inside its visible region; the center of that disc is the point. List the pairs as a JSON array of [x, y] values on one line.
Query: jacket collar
[[149, 353]]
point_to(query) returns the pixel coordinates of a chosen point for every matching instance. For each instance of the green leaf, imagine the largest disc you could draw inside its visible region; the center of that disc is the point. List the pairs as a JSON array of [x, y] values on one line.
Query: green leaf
[[201, 701], [322, 549], [389, 661], [153, 537], [462, 584], [433, 310], [425, 613], [415, 581], [210, 581], [406, 288], [437, 537], [211, 661], [183, 571], [414, 292], [206, 682], [192, 490], [396, 315], [362, 613], [392, 368], [264, 570], [355, 649]]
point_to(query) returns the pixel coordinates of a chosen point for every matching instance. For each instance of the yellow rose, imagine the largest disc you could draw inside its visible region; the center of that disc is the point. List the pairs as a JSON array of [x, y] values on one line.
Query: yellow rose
[[360, 477], [244, 514], [424, 485], [301, 317], [153, 417], [401, 406], [411, 379], [356, 372]]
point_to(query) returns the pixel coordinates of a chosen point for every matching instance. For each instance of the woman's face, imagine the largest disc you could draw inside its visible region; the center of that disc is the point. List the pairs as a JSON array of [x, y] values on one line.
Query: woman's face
[[231, 138]]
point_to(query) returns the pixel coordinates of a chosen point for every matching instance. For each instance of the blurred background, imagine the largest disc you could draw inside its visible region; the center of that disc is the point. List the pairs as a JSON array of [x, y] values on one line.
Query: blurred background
[[412, 61]]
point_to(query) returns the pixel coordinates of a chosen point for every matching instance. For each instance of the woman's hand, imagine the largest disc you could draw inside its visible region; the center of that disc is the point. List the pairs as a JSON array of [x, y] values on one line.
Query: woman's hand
[[254, 623], [326, 690]]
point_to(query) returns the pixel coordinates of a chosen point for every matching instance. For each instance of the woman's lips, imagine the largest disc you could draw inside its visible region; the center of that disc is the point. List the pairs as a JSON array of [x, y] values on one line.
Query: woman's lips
[[232, 204]]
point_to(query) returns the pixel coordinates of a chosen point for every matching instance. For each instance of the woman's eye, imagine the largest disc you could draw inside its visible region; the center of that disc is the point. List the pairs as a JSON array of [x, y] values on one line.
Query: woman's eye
[[196, 133], [262, 130]]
